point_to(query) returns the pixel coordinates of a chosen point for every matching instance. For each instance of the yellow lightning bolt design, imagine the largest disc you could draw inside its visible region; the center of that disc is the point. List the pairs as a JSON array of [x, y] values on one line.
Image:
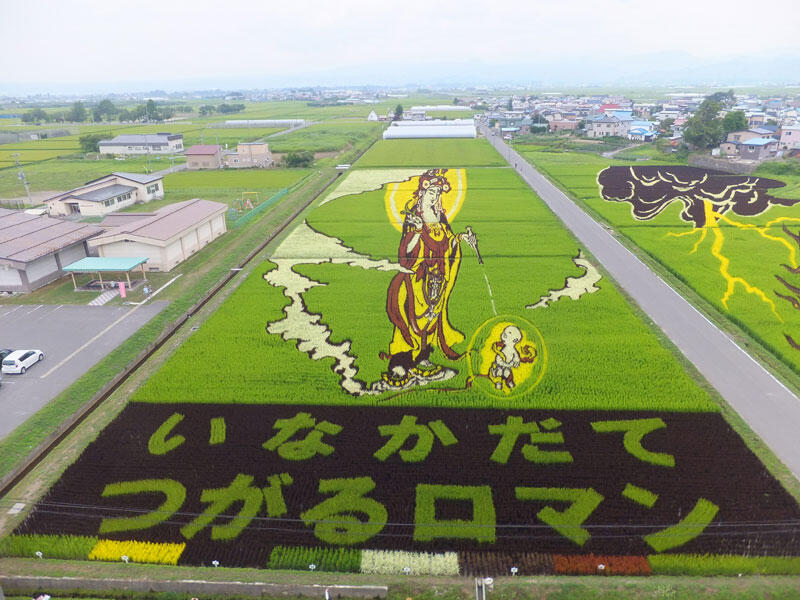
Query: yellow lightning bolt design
[[712, 222]]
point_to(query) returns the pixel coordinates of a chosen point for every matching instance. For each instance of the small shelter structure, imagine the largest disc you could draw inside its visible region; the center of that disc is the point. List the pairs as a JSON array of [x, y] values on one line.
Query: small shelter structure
[[100, 265]]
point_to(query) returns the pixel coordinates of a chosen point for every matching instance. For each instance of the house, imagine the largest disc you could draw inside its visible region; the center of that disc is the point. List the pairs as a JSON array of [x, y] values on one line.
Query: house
[[248, 154], [730, 148], [758, 148], [605, 126], [643, 131], [166, 237], [789, 137], [143, 143], [35, 249], [106, 194], [756, 119], [206, 156], [556, 126], [742, 136]]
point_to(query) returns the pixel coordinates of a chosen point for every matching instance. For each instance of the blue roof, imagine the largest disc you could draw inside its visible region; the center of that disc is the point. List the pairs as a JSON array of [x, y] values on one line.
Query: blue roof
[[624, 115], [95, 264], [759, 141]]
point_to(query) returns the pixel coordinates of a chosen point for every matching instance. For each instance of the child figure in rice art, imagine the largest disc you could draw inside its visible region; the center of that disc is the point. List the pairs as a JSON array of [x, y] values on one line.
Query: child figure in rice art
[[508, 357], [417, 301]]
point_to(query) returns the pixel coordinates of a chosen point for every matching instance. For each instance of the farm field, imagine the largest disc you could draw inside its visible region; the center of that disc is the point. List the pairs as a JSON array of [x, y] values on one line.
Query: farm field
[[427, 373], [424, 153], [65, 174], [224, 186], [325, 137], [734, 240]]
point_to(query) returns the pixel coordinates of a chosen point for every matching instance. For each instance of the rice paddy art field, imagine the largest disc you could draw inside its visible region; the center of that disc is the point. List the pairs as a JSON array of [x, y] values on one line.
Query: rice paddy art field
[[733, 239], [428, 373]]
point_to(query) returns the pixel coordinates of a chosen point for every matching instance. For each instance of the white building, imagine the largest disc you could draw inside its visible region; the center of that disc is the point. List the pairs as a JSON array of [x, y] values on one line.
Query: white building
[[144, 143], [166, 237], [430, 129], [107, 194]]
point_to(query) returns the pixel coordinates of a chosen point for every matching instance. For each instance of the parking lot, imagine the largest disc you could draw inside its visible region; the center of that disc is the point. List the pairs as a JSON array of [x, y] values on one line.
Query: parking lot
[[73, 339]]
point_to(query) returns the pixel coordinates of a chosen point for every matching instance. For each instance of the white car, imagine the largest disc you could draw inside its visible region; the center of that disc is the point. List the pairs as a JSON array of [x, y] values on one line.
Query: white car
[[19, 360]]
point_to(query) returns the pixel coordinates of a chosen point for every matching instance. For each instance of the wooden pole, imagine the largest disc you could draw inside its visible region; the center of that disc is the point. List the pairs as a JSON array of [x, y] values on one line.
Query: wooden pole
[[143, 273], [74, 285], [128, 275], [100, 275]]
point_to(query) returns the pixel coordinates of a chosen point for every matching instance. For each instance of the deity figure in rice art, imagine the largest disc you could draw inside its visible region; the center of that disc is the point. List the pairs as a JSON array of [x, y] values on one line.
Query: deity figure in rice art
[[508, 356], [417, 300]]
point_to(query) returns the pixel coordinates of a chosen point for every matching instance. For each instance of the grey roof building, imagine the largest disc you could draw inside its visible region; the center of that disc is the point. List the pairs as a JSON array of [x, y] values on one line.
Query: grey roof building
[[34, 249], [143, 143]]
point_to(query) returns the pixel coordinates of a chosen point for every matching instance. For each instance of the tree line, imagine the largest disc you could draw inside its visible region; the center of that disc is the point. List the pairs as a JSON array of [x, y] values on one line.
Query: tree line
[[105, 110]]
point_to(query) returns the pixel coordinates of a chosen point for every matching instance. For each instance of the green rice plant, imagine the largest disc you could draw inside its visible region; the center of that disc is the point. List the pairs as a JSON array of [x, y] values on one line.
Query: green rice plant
[[481, 527], [719, 564], [51, 546], [431, 153], [338, 560], [393, 562]]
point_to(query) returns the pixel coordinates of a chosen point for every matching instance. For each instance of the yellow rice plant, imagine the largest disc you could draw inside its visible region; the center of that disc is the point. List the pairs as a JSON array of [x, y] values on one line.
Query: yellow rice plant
[[141, 552]]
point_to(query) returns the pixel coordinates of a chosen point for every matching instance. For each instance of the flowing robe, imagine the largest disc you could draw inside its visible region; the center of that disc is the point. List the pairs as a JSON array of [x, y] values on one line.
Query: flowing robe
[[417, 302]]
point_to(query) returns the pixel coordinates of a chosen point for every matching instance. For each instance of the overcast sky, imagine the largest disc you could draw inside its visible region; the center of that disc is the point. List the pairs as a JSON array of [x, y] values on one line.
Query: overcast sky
[[67, 41]]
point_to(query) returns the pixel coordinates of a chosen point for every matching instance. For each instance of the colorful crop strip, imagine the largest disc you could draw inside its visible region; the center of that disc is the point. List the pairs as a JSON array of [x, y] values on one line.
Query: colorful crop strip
[[75, 547], [391, 562]]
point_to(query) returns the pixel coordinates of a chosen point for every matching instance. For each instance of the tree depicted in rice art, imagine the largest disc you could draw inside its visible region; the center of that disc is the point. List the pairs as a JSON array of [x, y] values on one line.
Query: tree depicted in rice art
[[711, 199]]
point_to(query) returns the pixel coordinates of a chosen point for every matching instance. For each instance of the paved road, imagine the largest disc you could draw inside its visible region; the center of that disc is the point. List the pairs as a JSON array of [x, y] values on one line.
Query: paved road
[[771, 410], [73, 339]]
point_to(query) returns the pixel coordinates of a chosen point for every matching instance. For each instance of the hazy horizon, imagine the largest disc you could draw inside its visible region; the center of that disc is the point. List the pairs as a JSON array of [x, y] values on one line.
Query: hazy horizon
[[93, 47]]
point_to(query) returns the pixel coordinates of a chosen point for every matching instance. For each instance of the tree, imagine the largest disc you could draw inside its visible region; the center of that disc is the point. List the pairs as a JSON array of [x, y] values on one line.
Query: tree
[[36, 115], [124, 115], [105, 108], [724, 98], [151, 111], [398, 112], [90, 142], [667, 124], [734, 121], [510, 105], [77, 113], [299, 159], [207, 109], [704, 129], [455, 100]]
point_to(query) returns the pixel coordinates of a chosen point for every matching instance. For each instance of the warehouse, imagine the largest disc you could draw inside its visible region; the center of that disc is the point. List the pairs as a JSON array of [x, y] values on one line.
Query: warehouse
[[165, 237], [35, 249]]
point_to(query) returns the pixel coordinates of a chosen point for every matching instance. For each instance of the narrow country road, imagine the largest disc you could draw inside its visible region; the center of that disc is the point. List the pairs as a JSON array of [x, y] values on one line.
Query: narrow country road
[[771, 410]]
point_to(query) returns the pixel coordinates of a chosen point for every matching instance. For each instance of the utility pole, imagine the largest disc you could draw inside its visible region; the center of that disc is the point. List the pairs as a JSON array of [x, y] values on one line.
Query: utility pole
[[22, 177]]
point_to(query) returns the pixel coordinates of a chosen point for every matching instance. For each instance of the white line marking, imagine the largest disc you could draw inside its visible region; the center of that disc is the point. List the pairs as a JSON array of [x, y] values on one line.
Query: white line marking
[[16, 509], [491, 296], [34, 310], [12, 311]]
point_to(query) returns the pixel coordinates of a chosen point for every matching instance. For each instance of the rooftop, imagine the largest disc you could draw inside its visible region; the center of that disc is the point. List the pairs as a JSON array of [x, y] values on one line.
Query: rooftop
[[202, 150], [142, 138], [95, 264], [112, 191], [165, 223], [25, 237]]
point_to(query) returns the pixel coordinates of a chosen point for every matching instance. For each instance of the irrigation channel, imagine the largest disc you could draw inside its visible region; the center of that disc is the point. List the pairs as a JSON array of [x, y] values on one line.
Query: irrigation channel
[[52, 441]]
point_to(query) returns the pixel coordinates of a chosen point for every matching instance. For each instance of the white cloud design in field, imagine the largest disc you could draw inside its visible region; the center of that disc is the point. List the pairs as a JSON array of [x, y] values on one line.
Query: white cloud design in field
[[307, 246]]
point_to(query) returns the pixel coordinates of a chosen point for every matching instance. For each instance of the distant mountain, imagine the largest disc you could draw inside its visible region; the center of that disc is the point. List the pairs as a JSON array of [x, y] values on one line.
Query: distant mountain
[[659, 69]]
